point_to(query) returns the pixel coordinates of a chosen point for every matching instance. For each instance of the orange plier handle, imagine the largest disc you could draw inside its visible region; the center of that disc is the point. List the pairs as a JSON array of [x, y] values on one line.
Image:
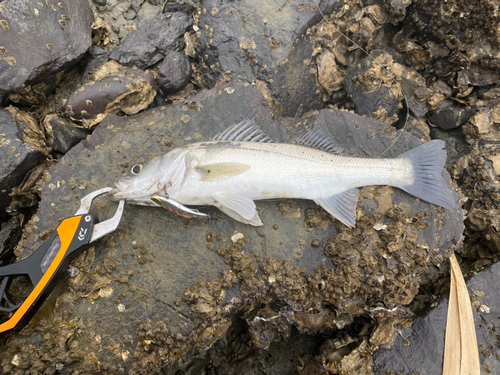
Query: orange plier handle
[[48, 263]]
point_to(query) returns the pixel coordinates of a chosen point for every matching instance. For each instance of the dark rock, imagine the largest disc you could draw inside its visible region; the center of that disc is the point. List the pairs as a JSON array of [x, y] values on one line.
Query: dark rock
[[423, 347], [16, 159], [180, 6], [257, 40], [174, 72], [130, 15], [136, 5], [450, 115], [154, 2], [184, 280], [368, 91], [456, 145], [100, 2], [95, 58], [10, 234], [409, 85], [469, 35], [65, 134], [150, 43], [115, 88], [39, 41]]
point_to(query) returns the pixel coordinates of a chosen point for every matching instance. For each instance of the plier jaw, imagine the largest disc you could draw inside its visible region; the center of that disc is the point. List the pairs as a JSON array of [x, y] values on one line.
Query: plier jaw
[[47, 264], [106, 227]]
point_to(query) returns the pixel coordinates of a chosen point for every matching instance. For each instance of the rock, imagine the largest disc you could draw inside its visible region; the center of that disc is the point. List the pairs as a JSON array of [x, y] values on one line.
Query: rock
[[456, 145], [477, 174], [146, 13], [180, 6], [174, 72], [65, 135], [95, 58], [150, 43], [257, 40], [373, 90], [114, 89], [10, 234], [450, 115], [173, 285], [467, 34], [131, 14], [16, 159], [421, 349], [41, 40], [99, 2], [484, 125]]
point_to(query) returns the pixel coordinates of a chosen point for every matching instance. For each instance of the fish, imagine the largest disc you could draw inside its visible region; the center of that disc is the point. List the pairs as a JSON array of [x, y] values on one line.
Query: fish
[[243, 164]]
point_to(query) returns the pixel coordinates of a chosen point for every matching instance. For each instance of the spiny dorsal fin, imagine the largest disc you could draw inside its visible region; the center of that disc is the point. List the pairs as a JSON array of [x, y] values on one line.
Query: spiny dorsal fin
[[244, 131], [317, 138]]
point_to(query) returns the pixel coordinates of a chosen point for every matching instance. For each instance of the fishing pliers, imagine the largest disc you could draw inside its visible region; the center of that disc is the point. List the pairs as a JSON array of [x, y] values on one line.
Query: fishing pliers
[[47, 264]]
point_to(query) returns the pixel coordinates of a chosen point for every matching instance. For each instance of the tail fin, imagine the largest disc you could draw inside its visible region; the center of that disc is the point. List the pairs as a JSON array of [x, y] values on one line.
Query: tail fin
[[428, 161]]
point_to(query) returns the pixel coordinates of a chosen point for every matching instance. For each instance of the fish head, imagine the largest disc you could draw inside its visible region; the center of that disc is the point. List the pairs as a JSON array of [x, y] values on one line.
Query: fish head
[[155, 178]]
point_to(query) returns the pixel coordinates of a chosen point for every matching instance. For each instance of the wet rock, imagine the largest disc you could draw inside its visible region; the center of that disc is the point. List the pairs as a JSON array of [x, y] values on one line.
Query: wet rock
[[484, 125], [249, 41], [114, 89], [456, 144], [174, 72], [150, 43], [10, 234], [173, 285], [16, 158], [372, 89], [268, 326], [235, 354], [100, 2], [421, 348], [180, 6], [477, 175], [471, 30], [40, 40], [450, 115], [64, 134]]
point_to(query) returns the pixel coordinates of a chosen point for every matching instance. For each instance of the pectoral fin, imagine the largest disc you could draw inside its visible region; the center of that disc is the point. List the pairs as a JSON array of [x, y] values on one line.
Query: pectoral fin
[[179, 174], [221, 171], [239, 208], [342, 206]]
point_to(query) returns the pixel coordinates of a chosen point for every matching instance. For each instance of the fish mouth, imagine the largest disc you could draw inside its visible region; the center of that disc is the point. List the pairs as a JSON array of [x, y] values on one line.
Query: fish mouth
[[133, 197]]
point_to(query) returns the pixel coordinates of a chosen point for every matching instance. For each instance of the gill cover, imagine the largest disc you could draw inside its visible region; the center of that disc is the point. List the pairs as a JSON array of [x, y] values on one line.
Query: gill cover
[[161, 176]]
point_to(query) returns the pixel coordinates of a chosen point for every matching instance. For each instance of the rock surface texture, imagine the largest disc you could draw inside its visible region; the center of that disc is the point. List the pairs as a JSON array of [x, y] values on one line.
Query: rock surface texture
[[16, 158], [90, 89], [420, 348], [191, 276], [38, 40]]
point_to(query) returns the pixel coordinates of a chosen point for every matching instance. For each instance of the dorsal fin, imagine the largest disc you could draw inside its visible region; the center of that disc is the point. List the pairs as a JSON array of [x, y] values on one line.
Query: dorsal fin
[[244, 131], [317, 138]]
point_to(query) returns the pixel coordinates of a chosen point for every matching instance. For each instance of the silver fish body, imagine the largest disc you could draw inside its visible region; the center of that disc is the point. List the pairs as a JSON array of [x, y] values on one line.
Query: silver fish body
[[231, 175]]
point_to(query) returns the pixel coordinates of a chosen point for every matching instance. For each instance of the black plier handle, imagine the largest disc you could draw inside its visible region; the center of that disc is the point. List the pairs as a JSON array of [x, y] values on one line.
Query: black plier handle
[[47, 264]]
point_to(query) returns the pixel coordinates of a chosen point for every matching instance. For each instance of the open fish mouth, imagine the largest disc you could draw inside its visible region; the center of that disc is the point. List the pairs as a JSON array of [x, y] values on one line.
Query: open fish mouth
[[116, 194], [124, 191]]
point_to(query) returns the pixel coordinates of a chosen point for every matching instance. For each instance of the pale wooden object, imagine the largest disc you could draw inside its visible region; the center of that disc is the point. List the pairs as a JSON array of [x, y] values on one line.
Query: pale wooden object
[[461, 355]]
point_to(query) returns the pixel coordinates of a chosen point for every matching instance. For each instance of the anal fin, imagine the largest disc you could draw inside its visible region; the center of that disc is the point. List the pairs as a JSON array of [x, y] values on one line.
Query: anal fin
[[342, 206]]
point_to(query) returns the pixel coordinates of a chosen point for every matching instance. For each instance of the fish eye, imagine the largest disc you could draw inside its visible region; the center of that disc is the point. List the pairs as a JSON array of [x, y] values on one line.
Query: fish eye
[[136, 168]]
